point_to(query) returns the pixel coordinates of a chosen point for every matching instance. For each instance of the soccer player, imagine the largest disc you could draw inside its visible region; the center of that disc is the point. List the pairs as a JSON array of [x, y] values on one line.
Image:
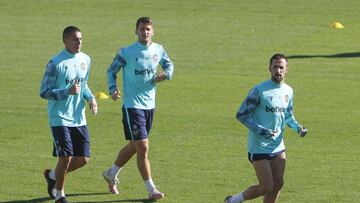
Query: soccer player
[[265, 112], [65, 87], [138, 63]]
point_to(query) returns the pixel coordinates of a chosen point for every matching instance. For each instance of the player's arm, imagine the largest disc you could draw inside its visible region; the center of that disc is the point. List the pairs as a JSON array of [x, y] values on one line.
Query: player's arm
[[245, 111], [87, 94], [291, 121], [167, 66], [112, 71], [47, 88]]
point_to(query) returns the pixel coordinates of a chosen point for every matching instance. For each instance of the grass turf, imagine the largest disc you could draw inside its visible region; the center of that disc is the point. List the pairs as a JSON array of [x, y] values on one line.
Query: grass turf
[[198, 149]]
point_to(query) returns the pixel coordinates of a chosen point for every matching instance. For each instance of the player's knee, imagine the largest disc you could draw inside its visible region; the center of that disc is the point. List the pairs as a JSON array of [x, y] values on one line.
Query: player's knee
[[83, 161], [266, 188], [142, 149], [278, 185], [142, 154]]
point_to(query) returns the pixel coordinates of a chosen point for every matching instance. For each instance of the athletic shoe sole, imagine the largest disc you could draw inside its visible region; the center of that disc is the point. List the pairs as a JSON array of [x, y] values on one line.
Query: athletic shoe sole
[[111, 183], [50, 184]]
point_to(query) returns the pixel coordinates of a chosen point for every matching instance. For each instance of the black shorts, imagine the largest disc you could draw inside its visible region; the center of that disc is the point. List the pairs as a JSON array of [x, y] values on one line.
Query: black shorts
[[137, 123], [257, 157], [71, 141]]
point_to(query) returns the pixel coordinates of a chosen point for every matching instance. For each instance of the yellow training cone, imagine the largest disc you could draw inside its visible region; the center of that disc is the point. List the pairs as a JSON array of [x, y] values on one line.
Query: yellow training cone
[[102, 95], [337, 25]]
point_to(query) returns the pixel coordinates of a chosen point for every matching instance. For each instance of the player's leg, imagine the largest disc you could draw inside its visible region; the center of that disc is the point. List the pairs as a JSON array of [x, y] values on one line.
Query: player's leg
[[111, 174], [64, 151], [140, 131], [124, 155], [278, 169], [141, 126], [265, 179], [142, 148], [60, 175], [77, 162], [80, 138], [264, 175], [128, 151]]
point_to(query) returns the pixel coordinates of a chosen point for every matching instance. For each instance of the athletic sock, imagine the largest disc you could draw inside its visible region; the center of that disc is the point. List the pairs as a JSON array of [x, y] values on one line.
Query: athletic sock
[[115, 170], [237, 198], [59, 194], [52, 175], [149, 185]]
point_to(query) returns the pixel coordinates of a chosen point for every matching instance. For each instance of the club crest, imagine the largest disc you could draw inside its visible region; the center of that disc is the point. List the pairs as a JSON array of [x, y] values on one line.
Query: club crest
[[83, 66], [286, 98], [155, 58]]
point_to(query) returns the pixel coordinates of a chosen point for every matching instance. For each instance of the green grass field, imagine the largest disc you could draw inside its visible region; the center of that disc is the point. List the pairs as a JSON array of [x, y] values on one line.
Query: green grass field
[[198, 149]]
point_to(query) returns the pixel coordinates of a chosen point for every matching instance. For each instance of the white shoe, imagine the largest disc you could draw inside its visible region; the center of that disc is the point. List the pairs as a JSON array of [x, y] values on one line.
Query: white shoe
[[156, 195], [111, 182]]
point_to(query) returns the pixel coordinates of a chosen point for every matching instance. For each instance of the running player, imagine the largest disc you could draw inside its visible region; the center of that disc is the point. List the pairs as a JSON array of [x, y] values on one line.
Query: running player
[[265, 112], [138, 63], [65, 87]]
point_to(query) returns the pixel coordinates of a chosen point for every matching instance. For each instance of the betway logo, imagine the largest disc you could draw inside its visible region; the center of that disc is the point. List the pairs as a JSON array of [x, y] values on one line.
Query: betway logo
[[144, 71], [67, 81], [276, 109]]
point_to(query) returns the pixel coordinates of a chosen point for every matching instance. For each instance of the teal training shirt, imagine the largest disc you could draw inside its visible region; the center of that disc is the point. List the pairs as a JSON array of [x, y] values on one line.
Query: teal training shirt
[[61, 73], [139, 65], [268, 108]]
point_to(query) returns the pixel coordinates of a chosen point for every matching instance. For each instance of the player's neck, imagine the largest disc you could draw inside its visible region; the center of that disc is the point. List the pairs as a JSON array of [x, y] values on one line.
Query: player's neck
[[277, 82], [71, 51], [145, 43]]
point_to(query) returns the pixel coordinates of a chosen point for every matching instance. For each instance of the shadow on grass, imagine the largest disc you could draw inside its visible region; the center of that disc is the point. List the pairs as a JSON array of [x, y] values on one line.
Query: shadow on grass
[[45, 199], [122, 200], [341, 55]]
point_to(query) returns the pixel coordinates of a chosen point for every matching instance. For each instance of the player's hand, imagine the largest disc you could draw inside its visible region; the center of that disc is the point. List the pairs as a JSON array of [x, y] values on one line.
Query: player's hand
[[270, 134], [303, 131], [159, 77], [93, 106], [75, 88], [115, 95]]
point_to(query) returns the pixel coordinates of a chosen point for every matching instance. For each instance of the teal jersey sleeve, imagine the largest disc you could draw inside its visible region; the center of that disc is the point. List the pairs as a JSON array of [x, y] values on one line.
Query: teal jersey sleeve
[[167, 65], [116, 65], [87, 94], [290, 118], [244, 114], [48, 89]]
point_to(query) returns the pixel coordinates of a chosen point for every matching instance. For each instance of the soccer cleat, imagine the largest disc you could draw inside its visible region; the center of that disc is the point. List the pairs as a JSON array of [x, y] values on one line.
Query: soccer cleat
[[228, 199], [50, 184], [62, 200], [156, 195], [111, 182]]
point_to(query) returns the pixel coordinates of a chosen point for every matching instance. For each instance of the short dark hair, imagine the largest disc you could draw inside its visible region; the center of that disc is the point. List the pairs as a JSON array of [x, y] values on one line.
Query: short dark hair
[[69, 30], [146, 20], [278, 56]]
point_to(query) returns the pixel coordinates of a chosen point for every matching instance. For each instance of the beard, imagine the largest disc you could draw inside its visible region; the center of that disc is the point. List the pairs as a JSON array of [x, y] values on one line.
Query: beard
[[277, 78]]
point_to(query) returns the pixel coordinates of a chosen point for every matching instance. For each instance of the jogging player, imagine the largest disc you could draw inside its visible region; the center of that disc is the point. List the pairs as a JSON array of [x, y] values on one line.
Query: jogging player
[[65, 87], [138, 63], [265, 112]]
